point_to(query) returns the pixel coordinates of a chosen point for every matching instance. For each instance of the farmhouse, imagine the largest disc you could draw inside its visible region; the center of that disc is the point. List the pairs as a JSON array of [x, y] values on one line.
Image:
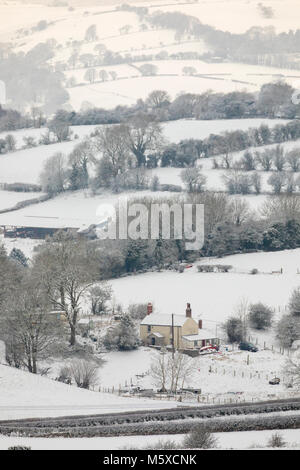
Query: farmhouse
[[182, 330]]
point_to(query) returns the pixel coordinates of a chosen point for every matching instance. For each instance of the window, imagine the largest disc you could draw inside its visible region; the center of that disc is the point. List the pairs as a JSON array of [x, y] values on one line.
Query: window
[[149, 328]]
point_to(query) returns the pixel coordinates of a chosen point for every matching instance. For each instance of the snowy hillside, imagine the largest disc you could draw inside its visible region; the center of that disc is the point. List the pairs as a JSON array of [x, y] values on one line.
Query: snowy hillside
[[169, 291], [25, 395]]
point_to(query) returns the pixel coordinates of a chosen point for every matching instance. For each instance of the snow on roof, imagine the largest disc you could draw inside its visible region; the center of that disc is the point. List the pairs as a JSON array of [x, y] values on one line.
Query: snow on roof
[[14, 220], [164, 320], [202, 334], [157, 335]]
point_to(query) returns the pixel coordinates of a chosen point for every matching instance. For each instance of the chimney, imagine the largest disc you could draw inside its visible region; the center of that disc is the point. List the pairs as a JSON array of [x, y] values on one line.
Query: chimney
[[149, 308], [200, 324], [188, 311]]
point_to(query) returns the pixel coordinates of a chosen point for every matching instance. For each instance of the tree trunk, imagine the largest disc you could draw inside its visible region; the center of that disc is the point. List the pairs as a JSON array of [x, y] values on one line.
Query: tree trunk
[[72, 335]]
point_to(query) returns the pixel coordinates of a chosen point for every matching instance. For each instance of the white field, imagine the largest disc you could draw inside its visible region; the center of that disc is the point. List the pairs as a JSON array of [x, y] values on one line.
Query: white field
[[127, 92], [170, 291], [9, 199], [237, 16], [25, 395], [198, 129], [25, 165], [226, 440]]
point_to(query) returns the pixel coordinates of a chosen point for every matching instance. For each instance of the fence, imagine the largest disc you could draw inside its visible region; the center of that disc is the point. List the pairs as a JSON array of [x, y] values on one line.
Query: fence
[[205, 399]]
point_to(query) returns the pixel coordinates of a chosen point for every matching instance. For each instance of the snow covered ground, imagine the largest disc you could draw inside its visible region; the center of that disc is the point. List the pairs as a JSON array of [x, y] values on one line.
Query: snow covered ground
[[25, 395], [126, 92], [198, 129], [26, 165], [170, 291], [228, 440], [245, 14], [9, 199]]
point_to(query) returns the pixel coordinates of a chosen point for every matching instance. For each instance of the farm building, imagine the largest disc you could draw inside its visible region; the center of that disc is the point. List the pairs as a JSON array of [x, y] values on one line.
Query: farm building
[[187, 333], [39, 227]]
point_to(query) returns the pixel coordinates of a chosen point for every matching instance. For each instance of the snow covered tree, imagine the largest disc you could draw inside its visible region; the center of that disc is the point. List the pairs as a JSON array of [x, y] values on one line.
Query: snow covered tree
[[193, 179], [53, 178], [260, 316], [99, 296], [294, 303], [91, 33], [18, 255], [234, 328], [123, 336], [288, 330], [67, 271]]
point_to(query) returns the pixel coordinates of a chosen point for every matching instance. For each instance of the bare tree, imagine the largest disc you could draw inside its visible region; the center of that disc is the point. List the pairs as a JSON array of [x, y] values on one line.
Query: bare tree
[[277, 181], [99, 296], [158, 98], [282, 209], [67, 272], [30, 330], [171, 371], [293, 159], [111, 141], [240, 211], [159, 370], [54, 175], [144, 135], [84, 373], [193, 179]]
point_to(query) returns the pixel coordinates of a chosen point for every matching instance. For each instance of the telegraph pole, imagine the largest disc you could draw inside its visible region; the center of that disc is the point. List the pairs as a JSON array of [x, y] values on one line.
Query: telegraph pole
[[173, 346]]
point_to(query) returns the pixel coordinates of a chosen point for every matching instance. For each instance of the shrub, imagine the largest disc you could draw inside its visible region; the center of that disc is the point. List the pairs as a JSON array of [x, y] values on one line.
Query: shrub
[[84, 373], [234, 329], [19, 448], [276, 440], [199, 438], [260, 316], [288, 330]]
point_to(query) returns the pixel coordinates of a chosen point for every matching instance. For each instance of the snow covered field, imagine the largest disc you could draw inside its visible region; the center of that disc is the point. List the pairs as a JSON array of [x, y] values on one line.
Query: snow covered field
[[199, 129], [169, 291], [26, 165], [245, 14], [228, 440], [127, 92], [25, 395], [9, 199]]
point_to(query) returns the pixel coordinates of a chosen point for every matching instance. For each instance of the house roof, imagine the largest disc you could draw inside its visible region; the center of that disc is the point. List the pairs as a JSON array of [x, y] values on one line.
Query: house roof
[[203, 333], [164, 320], [157, 335]]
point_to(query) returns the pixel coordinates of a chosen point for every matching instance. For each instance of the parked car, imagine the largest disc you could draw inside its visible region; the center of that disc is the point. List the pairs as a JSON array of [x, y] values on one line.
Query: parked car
[[245, 346], [274, 381]]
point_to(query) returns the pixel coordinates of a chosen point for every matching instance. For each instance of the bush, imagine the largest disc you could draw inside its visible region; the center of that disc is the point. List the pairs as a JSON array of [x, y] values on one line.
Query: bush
[[234, 329], [138, 311], [199, 438], [123, 336], [260, 316], [276, 441], [19, 448], [288, 330], [84, 373]]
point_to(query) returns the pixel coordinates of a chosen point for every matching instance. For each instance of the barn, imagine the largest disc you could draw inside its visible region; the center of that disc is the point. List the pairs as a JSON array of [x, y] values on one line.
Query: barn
[[39, 227]]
